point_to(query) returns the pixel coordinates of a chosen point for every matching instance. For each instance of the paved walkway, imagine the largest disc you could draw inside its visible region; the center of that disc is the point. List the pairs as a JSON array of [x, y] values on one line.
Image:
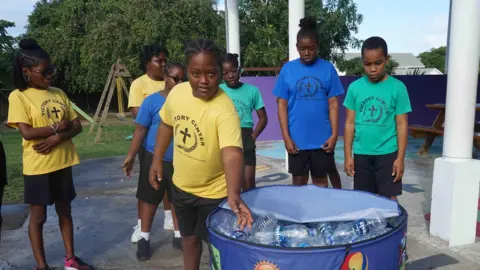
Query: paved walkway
[[105, 211]]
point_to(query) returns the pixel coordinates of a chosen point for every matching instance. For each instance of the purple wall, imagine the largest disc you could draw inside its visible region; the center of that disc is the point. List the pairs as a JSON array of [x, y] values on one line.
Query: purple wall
[[421, 89]]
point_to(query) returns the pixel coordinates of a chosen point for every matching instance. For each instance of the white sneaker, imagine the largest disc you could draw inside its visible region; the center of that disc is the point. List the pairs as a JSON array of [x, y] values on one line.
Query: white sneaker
[[136, 234], [168, 224]]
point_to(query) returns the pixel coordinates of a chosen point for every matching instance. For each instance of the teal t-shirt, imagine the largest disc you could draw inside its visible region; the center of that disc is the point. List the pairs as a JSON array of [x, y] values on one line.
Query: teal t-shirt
[[375, 106], [247, 99]]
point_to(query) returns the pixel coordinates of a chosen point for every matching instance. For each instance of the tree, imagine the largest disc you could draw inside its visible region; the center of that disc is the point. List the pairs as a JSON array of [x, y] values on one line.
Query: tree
[[85, 37], [435, 58], [264, 29], [6, 54], [354, 67]]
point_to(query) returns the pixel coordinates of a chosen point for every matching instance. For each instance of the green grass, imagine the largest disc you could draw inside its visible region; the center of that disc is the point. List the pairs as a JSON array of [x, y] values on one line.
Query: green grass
[[113, 144]]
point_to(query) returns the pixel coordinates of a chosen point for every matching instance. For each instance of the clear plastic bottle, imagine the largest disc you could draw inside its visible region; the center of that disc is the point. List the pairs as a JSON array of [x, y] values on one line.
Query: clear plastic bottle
[[263, 230], [350, 232], [325, 233], [295, 235], [225, 222], [377, 224]]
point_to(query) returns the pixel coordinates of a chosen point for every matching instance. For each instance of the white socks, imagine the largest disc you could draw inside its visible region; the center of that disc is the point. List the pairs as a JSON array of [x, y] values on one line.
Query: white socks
[[145, 235], [177, 234], [168, 215], [139, 223]]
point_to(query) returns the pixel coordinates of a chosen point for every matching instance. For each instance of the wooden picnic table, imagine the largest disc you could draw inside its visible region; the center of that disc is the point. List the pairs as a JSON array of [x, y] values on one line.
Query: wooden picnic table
[[436, 129]]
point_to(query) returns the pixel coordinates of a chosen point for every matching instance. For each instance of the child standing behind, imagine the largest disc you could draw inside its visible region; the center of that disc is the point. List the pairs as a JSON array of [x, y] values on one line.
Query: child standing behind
[[377, 125]]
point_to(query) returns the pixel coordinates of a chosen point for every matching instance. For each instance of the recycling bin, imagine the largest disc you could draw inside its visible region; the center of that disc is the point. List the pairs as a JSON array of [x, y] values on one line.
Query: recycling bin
[[309, 204]]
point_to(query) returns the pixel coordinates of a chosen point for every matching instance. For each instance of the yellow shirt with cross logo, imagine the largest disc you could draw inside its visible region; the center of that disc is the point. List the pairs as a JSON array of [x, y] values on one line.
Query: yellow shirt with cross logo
[[41, 108], [201, 130], [141, 88]]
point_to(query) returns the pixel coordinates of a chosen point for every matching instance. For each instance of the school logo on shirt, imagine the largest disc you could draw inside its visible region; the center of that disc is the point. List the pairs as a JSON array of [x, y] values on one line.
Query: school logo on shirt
[[242, 108], [188, 137], [373, 109], [53, 109], [310, 87]]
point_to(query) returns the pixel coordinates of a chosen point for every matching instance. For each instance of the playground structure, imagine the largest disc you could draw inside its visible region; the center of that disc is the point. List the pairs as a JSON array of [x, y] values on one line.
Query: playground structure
[[115, 83]]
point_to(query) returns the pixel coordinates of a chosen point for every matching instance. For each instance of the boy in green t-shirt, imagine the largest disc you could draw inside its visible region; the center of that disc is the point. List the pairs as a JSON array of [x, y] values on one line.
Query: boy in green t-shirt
[[377, 125]]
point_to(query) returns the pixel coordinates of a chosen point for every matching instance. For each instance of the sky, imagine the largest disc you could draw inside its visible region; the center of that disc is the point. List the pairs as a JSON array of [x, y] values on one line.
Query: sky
[[408, 26]]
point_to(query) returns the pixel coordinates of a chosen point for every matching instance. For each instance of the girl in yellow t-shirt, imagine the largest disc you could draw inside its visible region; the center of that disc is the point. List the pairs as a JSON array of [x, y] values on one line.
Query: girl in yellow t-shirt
[[47, 122], [153, 60]]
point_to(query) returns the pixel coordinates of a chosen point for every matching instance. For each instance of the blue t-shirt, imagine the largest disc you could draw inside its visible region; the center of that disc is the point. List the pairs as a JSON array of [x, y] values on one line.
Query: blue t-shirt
[[149, 117], [307, 89]]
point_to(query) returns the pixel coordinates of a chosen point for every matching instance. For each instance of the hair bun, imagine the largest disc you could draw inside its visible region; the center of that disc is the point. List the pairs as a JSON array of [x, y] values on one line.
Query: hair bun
[[308, 23], [235, 55], [28, 44]]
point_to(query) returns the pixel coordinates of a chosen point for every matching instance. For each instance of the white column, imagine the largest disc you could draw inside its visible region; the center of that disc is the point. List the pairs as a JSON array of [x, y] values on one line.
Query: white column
[[448, 35], [456, 175], [233, 26], [296, 12]]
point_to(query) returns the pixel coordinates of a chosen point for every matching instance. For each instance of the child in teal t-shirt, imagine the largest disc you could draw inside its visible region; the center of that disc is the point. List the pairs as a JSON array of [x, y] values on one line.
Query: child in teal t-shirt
[[377, 125], [247, 98]]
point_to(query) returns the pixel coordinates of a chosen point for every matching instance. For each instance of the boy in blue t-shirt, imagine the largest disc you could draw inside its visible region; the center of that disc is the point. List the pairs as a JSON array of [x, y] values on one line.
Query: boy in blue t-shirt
[[143, 142], [377, 125], [307, 91]]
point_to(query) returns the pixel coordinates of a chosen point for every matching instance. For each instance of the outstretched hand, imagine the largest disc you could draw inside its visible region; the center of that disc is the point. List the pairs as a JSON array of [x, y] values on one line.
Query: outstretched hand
[[238, 206]]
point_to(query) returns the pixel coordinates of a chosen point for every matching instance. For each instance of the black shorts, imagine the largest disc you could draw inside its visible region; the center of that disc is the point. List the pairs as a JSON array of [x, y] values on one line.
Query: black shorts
[[318, 162], [249, 155], [374, 174], [192, 212], [49, 188], [145, 192]]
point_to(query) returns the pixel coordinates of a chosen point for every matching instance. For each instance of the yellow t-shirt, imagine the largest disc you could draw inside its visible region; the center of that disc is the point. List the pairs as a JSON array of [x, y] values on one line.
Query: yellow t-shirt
[[142, 87], [201, 129], [41, 108]]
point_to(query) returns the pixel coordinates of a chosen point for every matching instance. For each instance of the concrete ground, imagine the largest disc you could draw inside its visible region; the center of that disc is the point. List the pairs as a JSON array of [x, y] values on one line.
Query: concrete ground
[[105, 211]]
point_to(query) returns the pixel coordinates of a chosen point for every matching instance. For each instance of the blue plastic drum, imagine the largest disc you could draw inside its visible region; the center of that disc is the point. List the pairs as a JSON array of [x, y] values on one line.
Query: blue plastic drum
[[312, 204]]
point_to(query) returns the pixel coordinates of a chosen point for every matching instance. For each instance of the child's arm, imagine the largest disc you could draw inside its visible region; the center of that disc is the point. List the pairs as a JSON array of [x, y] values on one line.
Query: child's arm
[[333, 115], [164, 138], [45, 146], [137, 140], [402, 108], [283, 118], [261, 124], [402, 139], [282, 92], [30, 133], [349, 132]]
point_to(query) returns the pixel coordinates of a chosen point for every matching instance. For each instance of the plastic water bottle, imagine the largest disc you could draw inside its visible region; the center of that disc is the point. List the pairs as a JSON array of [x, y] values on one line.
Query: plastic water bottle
[[263, 230], [225, 222], [265, 221], [325, 233], [295, 235], [377, 224], [241, 235], [350, 232]]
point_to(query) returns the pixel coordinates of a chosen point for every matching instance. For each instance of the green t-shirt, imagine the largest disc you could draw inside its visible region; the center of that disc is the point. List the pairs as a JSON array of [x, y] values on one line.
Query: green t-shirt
[[246, 98], [375, 106]]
